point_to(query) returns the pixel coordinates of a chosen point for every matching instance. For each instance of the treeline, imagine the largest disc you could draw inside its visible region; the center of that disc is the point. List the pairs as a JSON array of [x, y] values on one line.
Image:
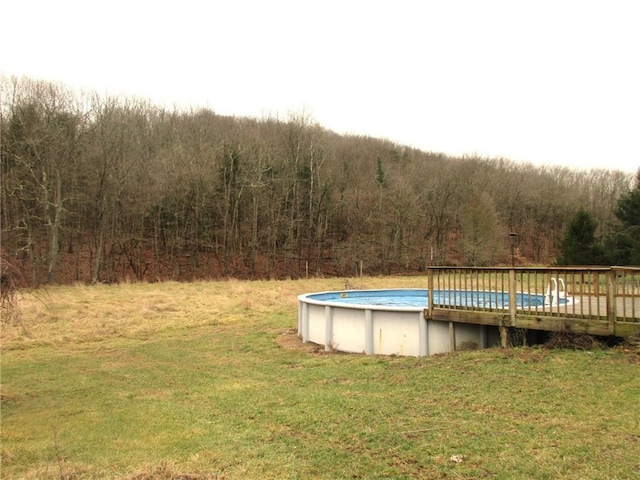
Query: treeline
[[98, 188], [620, 246]]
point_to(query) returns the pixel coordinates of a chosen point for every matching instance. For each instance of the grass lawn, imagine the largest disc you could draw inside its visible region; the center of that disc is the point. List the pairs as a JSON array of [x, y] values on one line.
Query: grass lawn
[[208, 380]]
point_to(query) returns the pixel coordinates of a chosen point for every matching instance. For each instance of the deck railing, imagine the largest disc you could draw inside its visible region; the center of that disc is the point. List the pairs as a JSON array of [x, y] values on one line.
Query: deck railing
[[598, 300]]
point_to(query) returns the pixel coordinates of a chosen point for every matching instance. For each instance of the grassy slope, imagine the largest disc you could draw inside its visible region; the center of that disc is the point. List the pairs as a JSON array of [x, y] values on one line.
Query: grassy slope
[[206, 379]]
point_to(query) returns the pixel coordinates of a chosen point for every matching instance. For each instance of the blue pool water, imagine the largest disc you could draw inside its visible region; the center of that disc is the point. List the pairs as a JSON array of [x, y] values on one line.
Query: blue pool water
[[418, 298]]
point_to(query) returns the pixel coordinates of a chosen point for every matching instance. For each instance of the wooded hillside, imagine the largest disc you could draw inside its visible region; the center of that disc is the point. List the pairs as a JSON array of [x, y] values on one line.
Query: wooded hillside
[[98, 188]]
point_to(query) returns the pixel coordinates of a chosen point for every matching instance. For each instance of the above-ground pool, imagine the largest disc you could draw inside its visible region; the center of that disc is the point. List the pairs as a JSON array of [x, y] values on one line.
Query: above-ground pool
[[392, 322]]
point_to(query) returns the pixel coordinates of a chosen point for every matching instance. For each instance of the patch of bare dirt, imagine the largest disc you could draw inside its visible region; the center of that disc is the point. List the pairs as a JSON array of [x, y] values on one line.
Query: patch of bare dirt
[[291, 341], [631, 347]]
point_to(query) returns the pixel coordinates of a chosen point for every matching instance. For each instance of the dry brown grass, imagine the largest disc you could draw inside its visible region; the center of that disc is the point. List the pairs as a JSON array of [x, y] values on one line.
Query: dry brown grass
[[169, 471], [90, 313]]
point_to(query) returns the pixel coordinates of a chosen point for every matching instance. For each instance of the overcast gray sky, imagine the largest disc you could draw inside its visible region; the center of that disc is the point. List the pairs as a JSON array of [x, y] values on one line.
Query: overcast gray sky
[[550, 82]]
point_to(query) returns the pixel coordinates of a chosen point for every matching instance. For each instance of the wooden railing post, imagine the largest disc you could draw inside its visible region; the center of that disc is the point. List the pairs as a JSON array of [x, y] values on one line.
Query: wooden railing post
[[611, 300], [430, 293], [504, 331], [512, 296]]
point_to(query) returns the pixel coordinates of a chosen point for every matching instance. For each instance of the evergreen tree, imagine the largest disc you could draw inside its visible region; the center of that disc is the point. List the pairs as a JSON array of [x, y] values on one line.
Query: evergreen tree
[[579, 245], [623, 247], [381, 176]]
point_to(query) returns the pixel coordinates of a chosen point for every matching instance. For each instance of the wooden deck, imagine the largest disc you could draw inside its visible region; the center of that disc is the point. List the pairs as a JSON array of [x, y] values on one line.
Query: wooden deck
[[614, 311], [593, 306]]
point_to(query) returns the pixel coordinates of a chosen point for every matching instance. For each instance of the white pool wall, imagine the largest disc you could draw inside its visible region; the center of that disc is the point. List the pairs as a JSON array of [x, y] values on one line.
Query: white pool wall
[[383, 330]]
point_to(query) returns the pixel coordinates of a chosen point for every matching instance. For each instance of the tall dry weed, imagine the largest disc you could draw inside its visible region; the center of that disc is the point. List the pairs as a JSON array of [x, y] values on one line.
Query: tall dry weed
[[10, 282]]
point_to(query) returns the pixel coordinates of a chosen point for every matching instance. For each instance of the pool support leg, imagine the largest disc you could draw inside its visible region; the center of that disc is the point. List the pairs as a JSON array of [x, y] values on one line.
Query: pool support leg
[[305, 323], [368, 332], [328, 329], [423, 329]]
